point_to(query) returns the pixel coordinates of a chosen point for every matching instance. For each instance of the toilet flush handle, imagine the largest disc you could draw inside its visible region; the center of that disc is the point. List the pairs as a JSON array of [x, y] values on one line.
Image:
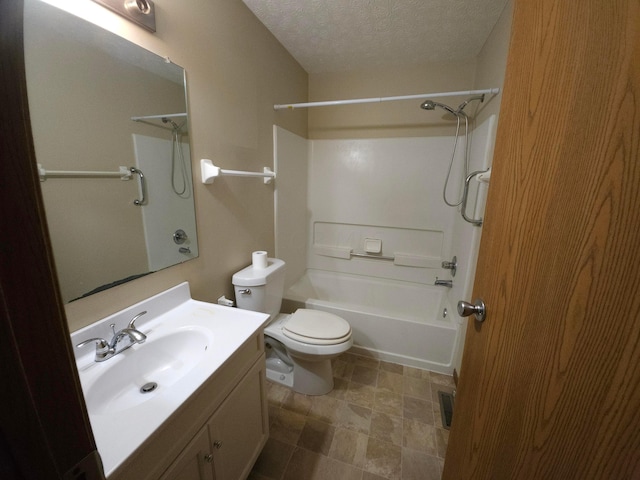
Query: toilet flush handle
[[245, 291]]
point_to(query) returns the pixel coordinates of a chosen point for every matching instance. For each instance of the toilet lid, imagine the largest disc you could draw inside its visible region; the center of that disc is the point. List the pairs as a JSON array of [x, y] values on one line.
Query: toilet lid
[[317, 327]]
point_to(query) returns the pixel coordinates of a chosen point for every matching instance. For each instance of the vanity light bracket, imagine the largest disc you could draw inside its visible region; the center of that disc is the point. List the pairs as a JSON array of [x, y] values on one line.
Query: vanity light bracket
[[140, 12]]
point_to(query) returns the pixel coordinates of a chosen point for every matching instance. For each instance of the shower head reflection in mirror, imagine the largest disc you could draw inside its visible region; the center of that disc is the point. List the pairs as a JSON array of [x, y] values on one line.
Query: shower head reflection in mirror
[[176, 150]]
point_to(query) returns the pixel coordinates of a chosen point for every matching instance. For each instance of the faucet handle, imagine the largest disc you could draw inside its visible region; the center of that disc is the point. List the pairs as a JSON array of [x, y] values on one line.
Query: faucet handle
[[101, 344], [133, 320], [103, 349]]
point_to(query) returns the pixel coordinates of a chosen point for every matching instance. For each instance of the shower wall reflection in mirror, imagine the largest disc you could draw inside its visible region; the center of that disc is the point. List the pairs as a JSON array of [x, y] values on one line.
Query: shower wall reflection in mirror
[[97, 103]]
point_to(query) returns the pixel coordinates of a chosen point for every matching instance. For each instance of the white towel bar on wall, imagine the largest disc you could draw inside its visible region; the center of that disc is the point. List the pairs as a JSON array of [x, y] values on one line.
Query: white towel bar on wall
[[209, 172]]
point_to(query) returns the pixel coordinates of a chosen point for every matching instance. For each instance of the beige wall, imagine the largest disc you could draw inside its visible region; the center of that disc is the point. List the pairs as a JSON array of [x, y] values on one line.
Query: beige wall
[[389, 119], [404, 118], [236, 71]]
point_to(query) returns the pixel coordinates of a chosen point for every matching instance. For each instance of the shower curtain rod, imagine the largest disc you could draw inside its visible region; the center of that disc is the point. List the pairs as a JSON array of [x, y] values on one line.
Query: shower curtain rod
[[488, 91]]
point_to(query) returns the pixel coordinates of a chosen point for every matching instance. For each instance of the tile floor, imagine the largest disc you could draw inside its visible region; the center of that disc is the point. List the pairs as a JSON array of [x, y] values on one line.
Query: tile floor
[[381, 421]]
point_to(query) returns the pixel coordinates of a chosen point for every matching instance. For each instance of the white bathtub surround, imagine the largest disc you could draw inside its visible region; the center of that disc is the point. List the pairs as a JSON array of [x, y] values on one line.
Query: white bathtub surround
[[365, 193], [466, 237], [290, 159]]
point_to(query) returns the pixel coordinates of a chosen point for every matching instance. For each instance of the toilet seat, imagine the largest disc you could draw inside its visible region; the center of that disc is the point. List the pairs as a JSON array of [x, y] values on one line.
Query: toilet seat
[[316, 327]]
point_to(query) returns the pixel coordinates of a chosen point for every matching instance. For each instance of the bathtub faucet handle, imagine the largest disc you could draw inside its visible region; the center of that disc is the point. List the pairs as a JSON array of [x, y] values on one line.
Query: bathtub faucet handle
[[452, 265]]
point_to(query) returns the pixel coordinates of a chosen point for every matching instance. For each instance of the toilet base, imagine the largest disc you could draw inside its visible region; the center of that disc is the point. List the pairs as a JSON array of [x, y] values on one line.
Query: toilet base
[[308, 378], [285, 379], [278, 366], [312, 378], [312, 371]]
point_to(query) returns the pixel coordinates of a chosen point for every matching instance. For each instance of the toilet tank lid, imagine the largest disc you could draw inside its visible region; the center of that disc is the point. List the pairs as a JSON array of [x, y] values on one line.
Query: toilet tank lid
[[253, 277]]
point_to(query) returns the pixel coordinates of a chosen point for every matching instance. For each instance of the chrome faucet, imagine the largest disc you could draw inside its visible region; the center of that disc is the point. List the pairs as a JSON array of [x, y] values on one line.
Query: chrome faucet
[[105, 350], [444, 283]]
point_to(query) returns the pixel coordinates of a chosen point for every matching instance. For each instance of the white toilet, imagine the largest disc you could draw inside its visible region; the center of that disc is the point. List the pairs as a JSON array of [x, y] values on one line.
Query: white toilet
[[299, 346]]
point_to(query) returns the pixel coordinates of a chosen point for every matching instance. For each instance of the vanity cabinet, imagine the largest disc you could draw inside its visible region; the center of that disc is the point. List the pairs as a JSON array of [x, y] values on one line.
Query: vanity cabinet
[[219, 433], [195, 461], [226, 448], [239, 428]]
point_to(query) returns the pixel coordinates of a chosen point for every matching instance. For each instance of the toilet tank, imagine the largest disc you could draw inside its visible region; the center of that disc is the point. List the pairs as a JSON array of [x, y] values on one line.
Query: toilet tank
[[260, 289]]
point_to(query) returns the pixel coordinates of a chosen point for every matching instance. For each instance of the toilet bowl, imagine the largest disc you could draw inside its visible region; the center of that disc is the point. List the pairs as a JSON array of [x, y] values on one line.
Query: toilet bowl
[[299, 346]]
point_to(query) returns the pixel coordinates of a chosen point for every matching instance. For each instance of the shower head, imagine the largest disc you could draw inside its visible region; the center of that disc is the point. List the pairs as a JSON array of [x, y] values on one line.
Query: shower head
[[431, 105], [466, 102], [173, 124]]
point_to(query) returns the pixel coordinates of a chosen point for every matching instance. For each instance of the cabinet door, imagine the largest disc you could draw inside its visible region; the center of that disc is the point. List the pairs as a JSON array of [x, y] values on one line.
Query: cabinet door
[[195, 462], [240, 427]]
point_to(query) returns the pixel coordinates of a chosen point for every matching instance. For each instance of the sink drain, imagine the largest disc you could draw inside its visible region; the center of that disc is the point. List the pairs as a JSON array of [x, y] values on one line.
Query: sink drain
[[148, 387]]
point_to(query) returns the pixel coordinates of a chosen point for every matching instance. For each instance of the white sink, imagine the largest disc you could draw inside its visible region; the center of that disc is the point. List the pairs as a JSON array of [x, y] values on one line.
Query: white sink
[[118, 383], [187, 341]]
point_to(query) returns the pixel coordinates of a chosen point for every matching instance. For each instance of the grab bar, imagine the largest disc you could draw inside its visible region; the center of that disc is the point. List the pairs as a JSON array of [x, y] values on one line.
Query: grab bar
[[143, 186], [477, 222]]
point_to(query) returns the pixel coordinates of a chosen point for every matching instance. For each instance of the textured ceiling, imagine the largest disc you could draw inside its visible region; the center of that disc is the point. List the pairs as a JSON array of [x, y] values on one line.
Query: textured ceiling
[[342, 35]]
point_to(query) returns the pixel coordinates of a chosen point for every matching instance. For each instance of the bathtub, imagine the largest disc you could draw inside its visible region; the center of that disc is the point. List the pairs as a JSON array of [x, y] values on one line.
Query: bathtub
[[395, 321]]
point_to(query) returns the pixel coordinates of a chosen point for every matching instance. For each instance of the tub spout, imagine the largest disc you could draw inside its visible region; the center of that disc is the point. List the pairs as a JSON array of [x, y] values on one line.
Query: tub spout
[[444, 283]]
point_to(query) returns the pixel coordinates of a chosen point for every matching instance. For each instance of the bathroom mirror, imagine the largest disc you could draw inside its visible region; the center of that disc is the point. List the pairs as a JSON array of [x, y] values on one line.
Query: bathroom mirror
[[100, 105]]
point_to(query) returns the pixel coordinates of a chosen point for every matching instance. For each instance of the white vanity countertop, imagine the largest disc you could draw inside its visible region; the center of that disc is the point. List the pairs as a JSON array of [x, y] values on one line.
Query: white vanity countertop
[[204, 335]]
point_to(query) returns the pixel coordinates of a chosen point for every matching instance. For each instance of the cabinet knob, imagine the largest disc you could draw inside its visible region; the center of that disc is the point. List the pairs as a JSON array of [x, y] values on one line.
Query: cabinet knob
[[208, 458], [217, 444]]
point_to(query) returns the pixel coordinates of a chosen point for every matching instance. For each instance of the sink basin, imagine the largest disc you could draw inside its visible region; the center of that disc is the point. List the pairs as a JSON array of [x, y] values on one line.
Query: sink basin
[[187, 342], [117, 384]]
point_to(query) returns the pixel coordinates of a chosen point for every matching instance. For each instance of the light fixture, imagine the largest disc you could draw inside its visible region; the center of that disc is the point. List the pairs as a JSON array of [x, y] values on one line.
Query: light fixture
[[140, 12]]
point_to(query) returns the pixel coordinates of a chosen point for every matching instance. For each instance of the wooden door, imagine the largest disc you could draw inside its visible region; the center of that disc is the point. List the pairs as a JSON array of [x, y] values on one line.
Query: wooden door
[[550, 382], [44, 426]]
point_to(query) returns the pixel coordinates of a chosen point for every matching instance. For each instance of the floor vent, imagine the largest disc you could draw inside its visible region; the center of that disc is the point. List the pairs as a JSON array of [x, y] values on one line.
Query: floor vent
[[446, 408]]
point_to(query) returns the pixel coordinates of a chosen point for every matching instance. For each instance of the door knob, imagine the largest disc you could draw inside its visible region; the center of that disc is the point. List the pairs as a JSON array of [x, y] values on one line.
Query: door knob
[[477, 309]]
